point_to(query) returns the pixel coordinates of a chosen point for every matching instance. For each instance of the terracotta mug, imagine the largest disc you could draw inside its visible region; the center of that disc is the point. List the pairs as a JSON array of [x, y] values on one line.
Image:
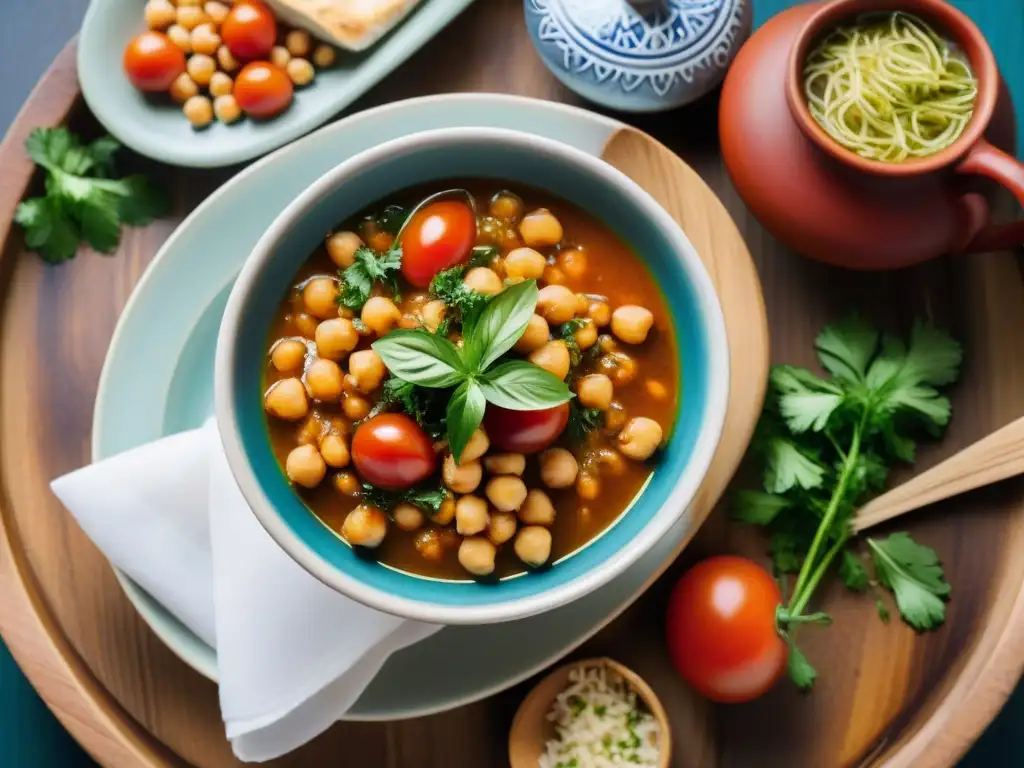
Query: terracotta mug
[[971, 154]]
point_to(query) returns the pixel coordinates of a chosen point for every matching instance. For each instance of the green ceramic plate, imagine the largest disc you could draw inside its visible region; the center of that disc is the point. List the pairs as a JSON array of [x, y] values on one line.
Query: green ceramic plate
[[159, 130], [155, 385]]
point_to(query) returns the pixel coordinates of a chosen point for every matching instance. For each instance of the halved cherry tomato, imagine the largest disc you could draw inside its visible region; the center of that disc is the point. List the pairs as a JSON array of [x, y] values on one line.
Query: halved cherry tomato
[[262, 90], [392, 451], [721, 629], [249, 31], [152, 62], [525, 431], [439, 235]]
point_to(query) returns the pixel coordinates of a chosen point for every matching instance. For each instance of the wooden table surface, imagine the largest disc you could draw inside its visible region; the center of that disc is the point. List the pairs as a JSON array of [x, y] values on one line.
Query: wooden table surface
[[490, 38]]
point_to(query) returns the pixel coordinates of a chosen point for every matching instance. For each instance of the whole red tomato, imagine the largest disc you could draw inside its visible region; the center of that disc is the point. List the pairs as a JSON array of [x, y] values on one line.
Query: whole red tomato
[[525, 431], [721, 629], [262, 90], [249, 31], [152, 62], [392, 451], [438, 236]]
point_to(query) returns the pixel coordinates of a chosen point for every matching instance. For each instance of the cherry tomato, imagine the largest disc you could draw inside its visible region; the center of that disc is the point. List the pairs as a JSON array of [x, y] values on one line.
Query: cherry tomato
[[249, 31], [440, 235], [152, 62], [525, 431], [262, 90], [721, 629], [392, 451]]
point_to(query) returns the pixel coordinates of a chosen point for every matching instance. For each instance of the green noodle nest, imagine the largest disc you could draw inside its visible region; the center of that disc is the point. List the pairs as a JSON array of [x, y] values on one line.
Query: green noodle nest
[[889, 89]]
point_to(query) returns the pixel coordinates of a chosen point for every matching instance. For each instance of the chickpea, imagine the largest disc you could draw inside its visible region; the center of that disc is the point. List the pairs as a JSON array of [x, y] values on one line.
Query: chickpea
[[217, 11], [335, 451], [553, 275], [582, 302], [297, 42], [611, 460], [205, 40], [433, 314], [349, 384], [305, 466], [446, 512], [461, 478], [640, 438], [323, 56], [367, 367], [380, 314], [615, 416], [573, 262], [631, 323], [347, 484], [540, 228], [226, 59], [226, 108], [355, 407], [586, 334], [483, 280], [553, 357], [558, 468], [408, 517], [323, 380], [409, 322], [501, 527], [506, 492], [183, 88], [190, 16], [194, 3], [607, 344], [279, 56], [525, 263], [625, 370], [304, 325], [656, 389], [201, 68], [505, 463], [160, 14], [286, 399], [365, 526], [310, 431], [199, 111], [380, 240], [533, 545], [429, 545], [335, 338], [556, 303], [470, 515], [320, 297], [300, 72], [595, 391], [599, 312], [221, 84], [342, 247], [537, 509], [477, 556], [506, 205], [180, 36], [535, 336], [588, 487], [476, 446]]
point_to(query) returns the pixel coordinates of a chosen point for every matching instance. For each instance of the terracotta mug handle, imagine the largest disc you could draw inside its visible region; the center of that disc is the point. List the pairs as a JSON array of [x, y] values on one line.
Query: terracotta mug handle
[[985, 160]]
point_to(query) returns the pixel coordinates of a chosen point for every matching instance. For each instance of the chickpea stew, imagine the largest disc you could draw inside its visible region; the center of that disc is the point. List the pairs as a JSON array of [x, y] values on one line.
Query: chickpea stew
[[471, 383]]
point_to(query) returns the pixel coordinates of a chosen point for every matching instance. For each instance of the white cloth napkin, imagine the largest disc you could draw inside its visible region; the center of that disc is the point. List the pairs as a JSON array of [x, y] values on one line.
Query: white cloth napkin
[[293, 655]]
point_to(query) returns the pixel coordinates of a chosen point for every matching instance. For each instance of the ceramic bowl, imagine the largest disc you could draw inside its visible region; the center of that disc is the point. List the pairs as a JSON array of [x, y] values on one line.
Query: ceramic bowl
[[434, 156]]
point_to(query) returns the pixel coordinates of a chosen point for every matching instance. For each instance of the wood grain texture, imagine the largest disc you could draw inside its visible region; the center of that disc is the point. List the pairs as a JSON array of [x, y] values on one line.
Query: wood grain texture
[[886, 696]]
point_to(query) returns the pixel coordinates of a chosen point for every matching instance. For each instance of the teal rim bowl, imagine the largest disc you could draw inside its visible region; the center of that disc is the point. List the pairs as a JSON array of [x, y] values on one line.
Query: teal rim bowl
[[517, 158]]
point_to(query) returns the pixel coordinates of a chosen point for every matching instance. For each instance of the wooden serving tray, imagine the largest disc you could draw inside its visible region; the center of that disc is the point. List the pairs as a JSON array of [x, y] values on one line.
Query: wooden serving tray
[[886, 696]]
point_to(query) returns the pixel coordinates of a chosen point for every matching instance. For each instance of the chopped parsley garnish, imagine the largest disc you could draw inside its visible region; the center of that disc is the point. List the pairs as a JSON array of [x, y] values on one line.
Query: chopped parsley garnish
[[367, 269], [449, 288], [567, 332], [427, 498], [582, 421]]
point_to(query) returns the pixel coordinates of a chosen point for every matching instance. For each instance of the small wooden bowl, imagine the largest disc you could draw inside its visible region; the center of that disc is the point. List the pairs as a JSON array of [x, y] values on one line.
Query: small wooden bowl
[[531, 728]]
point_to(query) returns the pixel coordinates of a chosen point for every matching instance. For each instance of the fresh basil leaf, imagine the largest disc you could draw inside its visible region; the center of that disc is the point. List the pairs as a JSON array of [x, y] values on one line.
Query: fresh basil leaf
[[500, 325], [421, 357], [522, 386], [465, 412]]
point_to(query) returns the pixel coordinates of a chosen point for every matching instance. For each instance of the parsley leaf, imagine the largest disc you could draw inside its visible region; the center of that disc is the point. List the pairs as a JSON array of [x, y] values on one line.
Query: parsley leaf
[[846, 349], [427, 498], [852, 572], [82, 204], [805, 401], [788, 467], [914, 575], [426, 406], [447, 285], [567, 332], [757, 507], [799, 668], [369, 268], [582, 421]]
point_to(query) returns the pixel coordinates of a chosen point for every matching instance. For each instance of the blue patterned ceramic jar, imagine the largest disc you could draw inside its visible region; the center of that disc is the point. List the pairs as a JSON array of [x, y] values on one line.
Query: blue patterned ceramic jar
[[639, 55]]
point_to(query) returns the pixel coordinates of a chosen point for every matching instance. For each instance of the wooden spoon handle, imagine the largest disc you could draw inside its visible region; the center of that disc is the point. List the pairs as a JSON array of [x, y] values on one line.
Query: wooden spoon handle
[[991, 459]]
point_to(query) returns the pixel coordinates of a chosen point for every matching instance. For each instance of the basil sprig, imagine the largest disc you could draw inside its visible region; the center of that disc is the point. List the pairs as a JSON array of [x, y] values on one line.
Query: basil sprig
[[432, 361]]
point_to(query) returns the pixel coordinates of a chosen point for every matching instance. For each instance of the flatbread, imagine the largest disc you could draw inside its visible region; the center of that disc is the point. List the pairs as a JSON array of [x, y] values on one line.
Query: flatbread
[[351, 24]]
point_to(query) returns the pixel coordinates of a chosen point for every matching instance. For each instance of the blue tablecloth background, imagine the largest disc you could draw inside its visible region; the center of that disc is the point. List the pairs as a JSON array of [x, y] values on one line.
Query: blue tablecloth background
[[31, 34]]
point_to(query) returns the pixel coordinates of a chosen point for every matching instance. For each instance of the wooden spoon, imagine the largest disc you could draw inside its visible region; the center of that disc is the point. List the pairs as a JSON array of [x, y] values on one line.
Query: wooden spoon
[[991, 459], [531, 728]]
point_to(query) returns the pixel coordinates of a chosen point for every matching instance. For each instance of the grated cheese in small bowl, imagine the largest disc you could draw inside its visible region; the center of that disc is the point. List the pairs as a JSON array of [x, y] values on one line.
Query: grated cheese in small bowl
[[599, 723]]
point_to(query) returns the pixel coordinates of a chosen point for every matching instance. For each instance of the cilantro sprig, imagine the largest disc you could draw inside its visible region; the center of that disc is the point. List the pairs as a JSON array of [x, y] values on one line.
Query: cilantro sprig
[[369, 268], [825, 445], [83, 202]]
